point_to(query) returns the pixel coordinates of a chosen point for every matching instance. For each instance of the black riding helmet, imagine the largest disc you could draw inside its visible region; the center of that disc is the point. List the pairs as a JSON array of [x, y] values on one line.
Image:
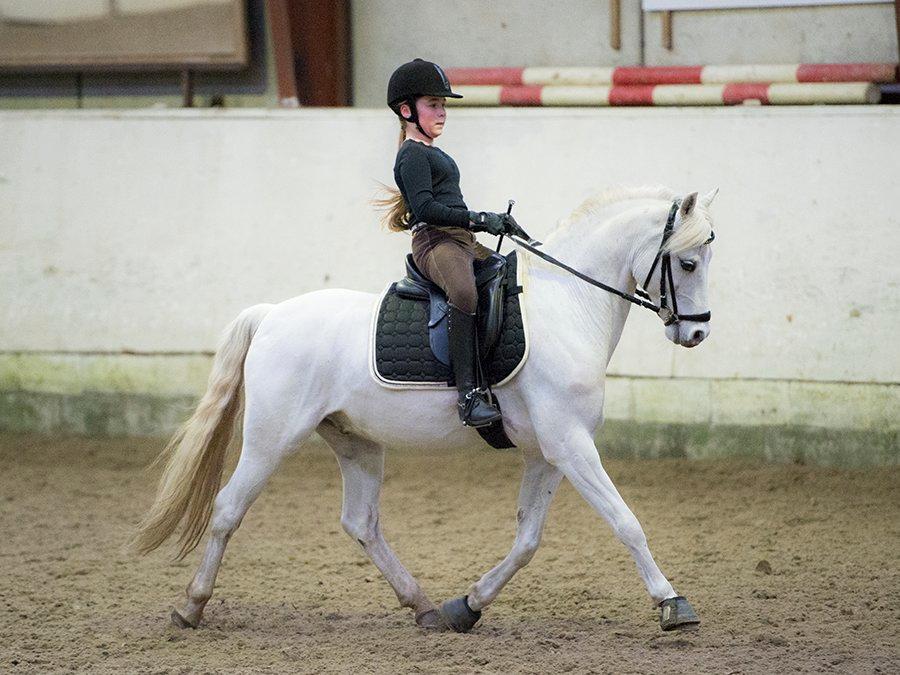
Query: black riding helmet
[[412, 80]]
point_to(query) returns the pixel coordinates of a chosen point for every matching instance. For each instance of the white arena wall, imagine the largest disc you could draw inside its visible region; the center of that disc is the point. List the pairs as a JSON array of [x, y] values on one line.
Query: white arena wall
[[129, 239]]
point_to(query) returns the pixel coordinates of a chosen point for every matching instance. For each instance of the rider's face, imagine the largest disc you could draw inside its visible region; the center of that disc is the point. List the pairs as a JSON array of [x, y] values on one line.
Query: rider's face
[[432, 114]]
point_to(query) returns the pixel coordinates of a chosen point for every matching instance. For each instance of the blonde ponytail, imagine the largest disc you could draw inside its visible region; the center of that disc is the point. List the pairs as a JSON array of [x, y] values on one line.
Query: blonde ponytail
[[397, 217]]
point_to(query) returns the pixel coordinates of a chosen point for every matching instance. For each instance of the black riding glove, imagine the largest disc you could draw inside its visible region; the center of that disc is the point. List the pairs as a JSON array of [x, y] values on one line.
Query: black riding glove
[[512, 227], [492, 223]]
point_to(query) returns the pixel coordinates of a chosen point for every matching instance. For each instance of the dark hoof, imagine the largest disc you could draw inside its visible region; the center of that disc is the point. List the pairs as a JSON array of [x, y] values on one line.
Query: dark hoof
[[180, 622], [677, 613], [458, 616], [431, 620]]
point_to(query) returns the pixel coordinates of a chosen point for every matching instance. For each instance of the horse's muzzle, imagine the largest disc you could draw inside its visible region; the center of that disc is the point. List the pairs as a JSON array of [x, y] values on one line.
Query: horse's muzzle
[[695, 334], [688, 334]]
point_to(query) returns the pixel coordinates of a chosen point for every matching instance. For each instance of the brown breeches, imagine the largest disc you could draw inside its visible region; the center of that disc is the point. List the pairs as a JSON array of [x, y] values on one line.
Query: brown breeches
[[447, 257]]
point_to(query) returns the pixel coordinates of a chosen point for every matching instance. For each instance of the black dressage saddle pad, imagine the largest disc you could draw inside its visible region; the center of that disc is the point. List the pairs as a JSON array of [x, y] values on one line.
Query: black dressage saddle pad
[[401, 348]]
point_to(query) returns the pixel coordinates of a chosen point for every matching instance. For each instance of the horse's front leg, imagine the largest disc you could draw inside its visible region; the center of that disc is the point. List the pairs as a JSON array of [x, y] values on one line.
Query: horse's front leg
[[539, 483], [362, 469], [575, 454]]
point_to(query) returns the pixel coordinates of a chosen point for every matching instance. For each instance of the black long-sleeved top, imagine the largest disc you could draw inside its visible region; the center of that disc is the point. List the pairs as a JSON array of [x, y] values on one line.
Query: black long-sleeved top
[[428, 178]]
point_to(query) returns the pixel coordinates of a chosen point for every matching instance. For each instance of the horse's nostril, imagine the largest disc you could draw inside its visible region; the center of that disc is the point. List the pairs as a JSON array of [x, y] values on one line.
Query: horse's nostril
[[697, 335]]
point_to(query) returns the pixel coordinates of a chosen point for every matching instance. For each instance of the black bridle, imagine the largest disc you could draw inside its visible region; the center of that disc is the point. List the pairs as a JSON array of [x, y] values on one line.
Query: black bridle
[[666, 283], [641, 298]]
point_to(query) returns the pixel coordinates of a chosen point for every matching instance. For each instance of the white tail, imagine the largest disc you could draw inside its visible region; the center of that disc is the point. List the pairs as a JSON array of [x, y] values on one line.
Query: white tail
[[195, 457]]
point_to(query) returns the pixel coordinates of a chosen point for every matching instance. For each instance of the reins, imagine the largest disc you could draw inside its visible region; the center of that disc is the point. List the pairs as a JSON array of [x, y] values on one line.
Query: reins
[[641, 297]]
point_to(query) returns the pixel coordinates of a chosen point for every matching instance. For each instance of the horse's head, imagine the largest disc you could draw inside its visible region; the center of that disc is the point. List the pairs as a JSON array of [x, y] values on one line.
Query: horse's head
[[675, 273]]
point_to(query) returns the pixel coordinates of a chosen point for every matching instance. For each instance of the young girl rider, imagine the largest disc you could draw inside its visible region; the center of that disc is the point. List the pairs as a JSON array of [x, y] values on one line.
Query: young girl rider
[[430, 204]]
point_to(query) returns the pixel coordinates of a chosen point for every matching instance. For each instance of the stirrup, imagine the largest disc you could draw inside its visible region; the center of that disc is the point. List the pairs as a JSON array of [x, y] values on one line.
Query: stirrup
[[473, 396], [477, 390], [466, 409]]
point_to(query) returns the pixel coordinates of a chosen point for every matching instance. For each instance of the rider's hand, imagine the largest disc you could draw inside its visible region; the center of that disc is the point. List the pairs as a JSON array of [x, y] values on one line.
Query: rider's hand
[[512, 227], [493, 223]]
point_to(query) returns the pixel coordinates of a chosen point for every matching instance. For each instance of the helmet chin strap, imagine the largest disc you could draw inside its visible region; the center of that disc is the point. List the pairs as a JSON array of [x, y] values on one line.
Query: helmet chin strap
[[414, 118]]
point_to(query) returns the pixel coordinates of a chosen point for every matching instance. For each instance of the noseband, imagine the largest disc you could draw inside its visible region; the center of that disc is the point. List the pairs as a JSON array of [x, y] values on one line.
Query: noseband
[[666, 282], [641, 298]]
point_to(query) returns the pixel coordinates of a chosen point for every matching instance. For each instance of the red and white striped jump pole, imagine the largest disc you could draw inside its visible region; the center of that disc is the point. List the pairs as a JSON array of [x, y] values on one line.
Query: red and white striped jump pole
[[643, 75], [668, 94]]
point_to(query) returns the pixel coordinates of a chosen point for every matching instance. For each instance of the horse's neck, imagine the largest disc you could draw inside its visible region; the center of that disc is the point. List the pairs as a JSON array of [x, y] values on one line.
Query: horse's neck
[[587, 319]]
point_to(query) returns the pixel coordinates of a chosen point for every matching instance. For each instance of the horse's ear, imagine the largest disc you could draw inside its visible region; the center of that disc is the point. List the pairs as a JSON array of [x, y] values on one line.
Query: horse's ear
[[707, 199], [688, 204]]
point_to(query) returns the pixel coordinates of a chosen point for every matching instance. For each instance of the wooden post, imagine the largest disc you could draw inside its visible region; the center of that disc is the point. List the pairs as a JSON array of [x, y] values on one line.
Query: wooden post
[[615, 24], [187, 88], [320, 35], [897, 21], [667, 29], [279, 25]]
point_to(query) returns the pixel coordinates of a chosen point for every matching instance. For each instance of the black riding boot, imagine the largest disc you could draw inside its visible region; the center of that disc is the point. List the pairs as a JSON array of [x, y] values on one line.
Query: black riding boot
[[474, 410]]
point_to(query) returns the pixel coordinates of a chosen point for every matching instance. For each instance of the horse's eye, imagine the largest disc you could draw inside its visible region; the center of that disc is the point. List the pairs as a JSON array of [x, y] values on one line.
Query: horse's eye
[[688, 265]]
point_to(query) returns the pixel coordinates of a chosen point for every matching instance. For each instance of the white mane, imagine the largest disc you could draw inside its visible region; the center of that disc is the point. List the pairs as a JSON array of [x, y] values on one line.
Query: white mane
[[691, 232], [597, 202]]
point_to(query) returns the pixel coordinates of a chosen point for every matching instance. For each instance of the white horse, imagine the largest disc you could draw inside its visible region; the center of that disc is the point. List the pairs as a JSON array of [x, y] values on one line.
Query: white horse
[[302, 366]]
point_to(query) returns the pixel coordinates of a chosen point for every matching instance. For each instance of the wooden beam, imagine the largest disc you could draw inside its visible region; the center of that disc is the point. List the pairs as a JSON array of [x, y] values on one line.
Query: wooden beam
[[279, 28], [667, 30], [897, 21], [320, 35], [187, 88], [615, 24]]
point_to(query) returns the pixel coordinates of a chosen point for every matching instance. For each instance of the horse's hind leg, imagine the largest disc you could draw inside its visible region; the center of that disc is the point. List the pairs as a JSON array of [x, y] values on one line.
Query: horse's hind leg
[[260, 456], [539, 483], [362, 469]]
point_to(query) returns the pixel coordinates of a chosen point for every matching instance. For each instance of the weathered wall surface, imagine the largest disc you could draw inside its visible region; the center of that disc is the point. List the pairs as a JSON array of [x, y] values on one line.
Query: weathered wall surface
[[473, 33], [128, 240], [577, 33], [498, 33], [251, 87], [825, 34]]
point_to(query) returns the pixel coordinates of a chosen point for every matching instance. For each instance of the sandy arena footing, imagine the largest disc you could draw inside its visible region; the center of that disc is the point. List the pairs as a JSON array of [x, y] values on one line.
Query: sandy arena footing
[[791, 568]]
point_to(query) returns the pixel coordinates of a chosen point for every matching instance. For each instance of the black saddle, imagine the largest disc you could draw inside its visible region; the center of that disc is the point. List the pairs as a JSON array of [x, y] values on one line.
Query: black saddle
[[489, 279], [410, 346]]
